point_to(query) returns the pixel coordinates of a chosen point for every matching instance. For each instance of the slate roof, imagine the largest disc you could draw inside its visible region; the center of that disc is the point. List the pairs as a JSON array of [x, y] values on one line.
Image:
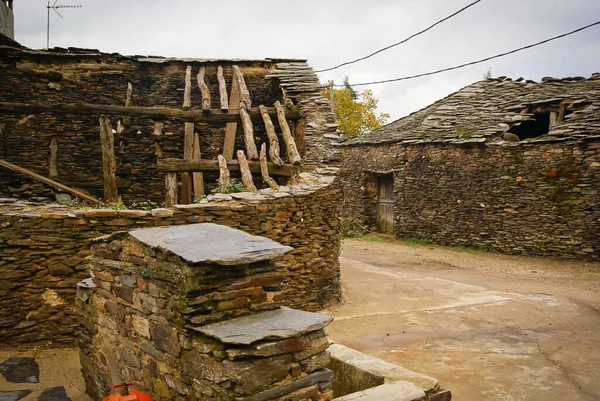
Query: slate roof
[[483, 111]]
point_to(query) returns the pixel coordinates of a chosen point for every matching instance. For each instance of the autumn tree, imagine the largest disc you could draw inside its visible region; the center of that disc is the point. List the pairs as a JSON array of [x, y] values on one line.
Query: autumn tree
[[355, 112]]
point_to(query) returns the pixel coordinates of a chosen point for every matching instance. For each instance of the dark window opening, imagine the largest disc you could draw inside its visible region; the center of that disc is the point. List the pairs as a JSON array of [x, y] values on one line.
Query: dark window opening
[[532, 128]]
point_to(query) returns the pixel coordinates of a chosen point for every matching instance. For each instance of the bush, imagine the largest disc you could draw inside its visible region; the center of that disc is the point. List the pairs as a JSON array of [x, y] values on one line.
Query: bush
[[232, 185], [353, 229]]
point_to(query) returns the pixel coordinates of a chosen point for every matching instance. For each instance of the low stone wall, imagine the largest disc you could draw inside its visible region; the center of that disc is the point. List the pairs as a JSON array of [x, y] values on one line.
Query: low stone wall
[[527, 198], [42, 251], [7, 21]]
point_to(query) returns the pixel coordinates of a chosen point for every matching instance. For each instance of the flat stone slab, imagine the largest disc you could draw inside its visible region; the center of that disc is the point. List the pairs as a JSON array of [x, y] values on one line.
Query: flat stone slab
[[276, 324], [20, 370], [400, 391], [54, 394], [14, 395], [211, 243]]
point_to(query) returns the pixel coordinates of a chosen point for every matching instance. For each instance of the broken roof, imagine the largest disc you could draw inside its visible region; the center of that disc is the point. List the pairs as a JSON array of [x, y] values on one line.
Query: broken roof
[[483, 111]]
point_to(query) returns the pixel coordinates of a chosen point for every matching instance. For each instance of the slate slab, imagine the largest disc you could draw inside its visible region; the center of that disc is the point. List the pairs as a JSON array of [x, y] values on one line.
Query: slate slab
[[272, 325], [20, 370], [54, 394], [14, 395], [211, 243]]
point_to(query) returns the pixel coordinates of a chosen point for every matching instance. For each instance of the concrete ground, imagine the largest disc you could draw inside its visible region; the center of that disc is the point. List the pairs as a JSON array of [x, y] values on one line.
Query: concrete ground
[[487, 326]]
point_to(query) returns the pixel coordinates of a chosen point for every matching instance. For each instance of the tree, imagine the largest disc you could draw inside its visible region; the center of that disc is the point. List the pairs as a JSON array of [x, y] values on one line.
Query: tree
[[354, 116]]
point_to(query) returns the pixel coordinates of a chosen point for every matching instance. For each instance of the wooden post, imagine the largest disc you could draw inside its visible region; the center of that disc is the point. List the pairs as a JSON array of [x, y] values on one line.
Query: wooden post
[[52, 163], [290, 144], [273, 140], [231, 128], [170, 189], [248, 133], [222, 89], [198, 178], [244, 94], [188, 152], [187, 94], [109, 162], [245, 170], [203, 89], [128, 101], [223, 172], [264, 168]]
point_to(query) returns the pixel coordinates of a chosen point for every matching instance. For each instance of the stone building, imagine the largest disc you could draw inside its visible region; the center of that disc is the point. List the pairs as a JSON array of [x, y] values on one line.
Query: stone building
[[502, 164]]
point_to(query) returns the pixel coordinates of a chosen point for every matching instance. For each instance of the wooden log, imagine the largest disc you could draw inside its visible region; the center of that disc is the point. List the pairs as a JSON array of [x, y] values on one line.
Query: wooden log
[[248, 133], [155, 113], [188, 151], [178, 165], [292, 151], [53, 163], [245, 170], [273, 140], [170, 189], [128, 100], [187, 93], [231, 128], [109, 162], [203, 89], [222, 89], [224, 175], [244, 93], [264, 168], [197, 178], [48, 181]]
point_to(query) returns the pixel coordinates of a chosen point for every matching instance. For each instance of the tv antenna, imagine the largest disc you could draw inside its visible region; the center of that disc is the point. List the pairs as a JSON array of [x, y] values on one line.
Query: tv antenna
[[55, 7]]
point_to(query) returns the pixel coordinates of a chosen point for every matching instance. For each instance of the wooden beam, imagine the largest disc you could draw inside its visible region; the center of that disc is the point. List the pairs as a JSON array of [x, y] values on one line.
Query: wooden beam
[[170, 189], [187, 93], [292, 150], [197, 178], [222, 89], [248, 133], [155, 113], [245, 170], [52, 163], [128, 100], [244, 93], [223, 171], [175, 165], [273, 140], [48, 181], [264, 168], [231, 128], [188, 151], [203, 89], [109, 162]]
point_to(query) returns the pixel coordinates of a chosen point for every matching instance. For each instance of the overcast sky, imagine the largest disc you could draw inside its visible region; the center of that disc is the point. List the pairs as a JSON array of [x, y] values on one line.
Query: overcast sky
[[329, 32]]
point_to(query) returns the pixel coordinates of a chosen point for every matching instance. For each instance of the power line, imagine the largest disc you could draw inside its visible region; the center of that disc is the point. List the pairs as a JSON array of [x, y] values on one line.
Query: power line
[[403, 41], [475, 62]]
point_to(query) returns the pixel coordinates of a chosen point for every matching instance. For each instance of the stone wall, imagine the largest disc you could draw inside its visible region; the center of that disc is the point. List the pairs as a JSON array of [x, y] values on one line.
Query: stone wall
[[7, 21], [536, 199], [42, 251]]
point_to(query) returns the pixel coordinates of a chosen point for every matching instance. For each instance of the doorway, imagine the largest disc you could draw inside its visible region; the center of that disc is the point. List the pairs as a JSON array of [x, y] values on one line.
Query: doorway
[[385, 204]]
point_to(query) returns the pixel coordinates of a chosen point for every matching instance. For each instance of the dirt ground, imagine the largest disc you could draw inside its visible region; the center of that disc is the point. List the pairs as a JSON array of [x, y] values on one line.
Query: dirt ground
[[487, 326]]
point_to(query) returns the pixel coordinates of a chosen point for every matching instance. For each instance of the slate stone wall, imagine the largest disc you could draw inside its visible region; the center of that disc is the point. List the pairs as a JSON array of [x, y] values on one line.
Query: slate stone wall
[[42, 253], [532, 199]]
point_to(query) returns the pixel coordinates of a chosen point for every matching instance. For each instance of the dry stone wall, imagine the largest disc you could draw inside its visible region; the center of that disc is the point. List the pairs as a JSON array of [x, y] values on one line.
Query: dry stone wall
[[525, 198]]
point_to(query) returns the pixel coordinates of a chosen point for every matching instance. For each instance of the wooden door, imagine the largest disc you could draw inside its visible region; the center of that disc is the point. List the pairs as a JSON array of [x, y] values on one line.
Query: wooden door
[[385, 205]]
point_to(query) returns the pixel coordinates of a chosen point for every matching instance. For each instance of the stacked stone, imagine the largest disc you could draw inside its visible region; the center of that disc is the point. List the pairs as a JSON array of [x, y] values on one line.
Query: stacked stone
[[157, 290]]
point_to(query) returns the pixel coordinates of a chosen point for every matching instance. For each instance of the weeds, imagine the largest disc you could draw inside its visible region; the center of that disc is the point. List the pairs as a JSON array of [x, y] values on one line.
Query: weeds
[[230, 186]]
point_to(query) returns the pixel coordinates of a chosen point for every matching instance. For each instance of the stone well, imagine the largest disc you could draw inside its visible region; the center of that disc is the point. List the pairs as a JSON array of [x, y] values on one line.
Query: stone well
[[193, 312]]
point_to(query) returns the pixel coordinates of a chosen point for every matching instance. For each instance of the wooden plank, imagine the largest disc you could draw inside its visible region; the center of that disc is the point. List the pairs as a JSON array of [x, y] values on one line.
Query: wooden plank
[[188, 151], [109, 161], [248, 133], [177, 165], [128, 99], [241, 82], [264, 168], [53, 162], [203, 89], [292, 151], [231, 128], [187, 93], [223, 168], [197, 178], [170, 189], [245, 170], [222, 89], [155, 113], [48, 181], [274, 146]]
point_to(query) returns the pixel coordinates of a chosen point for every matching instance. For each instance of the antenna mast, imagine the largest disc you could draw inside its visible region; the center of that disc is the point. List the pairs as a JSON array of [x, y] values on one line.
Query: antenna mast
[[55, 7]]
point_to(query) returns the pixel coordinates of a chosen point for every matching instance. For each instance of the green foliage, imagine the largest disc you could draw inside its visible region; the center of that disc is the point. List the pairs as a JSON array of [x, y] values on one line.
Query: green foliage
[[488, 74], [115, 206], [232, 186], [144, 205], [353, 229]]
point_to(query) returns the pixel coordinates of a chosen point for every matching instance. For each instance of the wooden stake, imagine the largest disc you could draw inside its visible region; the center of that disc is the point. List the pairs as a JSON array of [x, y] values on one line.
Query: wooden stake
[[128, 101], [290, 144], [222, 89], [179, 165], [231, 128], [203, 89], [52, 164], [244, 94], [188, 152], [273, 140], [264, 168], [187, 94], [109, 162], [246, 174], [198, 178], [170, 189], [223, 172], [248, 133]]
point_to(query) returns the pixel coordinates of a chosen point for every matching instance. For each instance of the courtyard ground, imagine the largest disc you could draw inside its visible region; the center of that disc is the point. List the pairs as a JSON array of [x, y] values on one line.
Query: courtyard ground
[[487, 326]]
